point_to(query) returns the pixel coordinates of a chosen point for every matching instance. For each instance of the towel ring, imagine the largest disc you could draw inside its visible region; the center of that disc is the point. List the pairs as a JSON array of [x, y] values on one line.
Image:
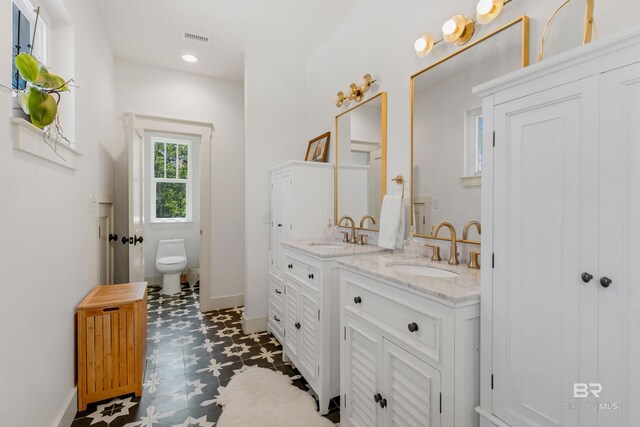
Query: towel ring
[[400, 181]]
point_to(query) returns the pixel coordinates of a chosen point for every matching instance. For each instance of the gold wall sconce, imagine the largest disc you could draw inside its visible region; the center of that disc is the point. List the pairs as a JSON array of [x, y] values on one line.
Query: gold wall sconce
[[459, 29], [355, 91], [488, 10]]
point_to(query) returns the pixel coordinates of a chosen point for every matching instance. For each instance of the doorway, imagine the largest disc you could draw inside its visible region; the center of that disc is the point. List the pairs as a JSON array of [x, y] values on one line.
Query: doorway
[[106, 242]]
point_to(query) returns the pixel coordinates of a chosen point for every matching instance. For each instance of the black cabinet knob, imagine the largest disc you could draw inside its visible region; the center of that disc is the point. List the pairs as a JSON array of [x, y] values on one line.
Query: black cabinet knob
[[113, 237], [131, 241], [413, 327], [124, 240], [276, 318], [311, 276], [383, 403], [279, 225], [377, 397], [290, 266], [137, 239], [278, 291], [605, 282], [357, 300], [586, 277], [297, 325]]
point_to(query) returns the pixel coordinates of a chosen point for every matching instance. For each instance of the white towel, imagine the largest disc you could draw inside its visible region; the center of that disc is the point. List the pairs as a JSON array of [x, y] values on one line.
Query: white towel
[[391, 234]]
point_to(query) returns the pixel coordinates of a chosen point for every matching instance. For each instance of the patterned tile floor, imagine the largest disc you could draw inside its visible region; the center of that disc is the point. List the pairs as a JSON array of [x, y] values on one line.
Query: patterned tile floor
[[190, 357]]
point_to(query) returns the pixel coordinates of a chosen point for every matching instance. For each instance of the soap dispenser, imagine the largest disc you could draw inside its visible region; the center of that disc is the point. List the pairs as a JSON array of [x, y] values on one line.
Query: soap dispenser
[[329, 231]]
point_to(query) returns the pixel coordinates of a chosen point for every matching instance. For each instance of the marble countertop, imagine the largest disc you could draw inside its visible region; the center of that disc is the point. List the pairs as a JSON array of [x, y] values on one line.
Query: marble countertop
[[333, 248], [461, 288]]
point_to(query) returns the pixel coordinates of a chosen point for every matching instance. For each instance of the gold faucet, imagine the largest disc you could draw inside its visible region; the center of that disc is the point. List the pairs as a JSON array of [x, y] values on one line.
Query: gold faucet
[[453, 258], [353, 229], [470, 224], [362, 238]]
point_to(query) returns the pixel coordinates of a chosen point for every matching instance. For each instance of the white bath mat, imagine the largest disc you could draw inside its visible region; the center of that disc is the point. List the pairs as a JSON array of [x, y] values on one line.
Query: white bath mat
[[260, 397]]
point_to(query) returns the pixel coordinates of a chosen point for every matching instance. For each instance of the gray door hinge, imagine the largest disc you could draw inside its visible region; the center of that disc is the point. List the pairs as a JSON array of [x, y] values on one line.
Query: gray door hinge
[[318, 314], [493, 260], [345, 333], [494, 138], [440, 402], [491, 381]]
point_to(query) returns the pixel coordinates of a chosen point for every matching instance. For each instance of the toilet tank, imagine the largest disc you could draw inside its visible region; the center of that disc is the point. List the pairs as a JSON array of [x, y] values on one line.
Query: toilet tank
[[171, 247]]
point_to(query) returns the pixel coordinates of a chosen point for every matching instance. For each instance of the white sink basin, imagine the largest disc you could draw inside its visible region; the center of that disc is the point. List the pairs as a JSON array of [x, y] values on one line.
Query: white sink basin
[[420, 270], [328, 245]]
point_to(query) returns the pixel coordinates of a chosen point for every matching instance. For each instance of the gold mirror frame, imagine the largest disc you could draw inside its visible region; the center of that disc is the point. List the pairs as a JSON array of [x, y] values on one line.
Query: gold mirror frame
[[383, 148], [525, 62]]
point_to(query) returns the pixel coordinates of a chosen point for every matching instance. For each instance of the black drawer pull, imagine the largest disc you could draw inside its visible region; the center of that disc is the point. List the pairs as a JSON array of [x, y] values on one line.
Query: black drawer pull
[[413, 327], [290, 266], [105, 310], [311, 276], [276, 318], [113, 237], [279, 225], [278, 291], [297, 325], [383, 403], [605, 282], [377, 397], [586, 277], [357, 300]]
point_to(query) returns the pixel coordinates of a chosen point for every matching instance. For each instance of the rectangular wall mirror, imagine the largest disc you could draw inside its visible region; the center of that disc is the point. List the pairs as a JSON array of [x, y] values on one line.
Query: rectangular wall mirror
[[361, 158], [447, 127]]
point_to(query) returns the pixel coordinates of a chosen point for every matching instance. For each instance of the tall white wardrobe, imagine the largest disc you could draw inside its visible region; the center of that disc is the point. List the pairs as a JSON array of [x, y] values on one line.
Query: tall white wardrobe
[[561, 224]]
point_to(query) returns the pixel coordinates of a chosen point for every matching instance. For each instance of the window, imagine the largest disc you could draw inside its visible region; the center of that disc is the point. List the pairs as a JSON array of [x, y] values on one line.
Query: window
[[473, 140], [23, 19], [171, 183]]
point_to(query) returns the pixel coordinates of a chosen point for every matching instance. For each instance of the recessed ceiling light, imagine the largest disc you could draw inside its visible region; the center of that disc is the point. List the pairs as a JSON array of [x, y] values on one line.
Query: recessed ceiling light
[[189, 58]]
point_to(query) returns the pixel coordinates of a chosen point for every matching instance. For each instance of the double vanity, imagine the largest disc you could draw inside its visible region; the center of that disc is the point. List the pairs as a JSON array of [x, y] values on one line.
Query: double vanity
[[396, 337]]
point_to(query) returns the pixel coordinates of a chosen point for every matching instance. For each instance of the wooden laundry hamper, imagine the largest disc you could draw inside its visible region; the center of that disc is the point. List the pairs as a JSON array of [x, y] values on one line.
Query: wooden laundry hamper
[[112, 342]]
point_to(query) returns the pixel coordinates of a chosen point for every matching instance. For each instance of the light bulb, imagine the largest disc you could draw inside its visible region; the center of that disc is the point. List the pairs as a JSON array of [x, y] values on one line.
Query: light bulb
[[424, 45], [420, 44], [449, 27], [484, 7], [348, 93]]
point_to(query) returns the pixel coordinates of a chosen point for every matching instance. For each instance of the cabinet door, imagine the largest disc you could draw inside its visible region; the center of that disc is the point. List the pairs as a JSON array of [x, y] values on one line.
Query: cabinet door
[[276, 224], [545, 211], [363, 349], [619, 231], [291, 329], [309, 334], [411, 389]]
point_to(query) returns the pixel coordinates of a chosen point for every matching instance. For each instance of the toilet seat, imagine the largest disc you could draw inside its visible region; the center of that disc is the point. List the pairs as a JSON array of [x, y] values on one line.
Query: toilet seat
[[171, 260]]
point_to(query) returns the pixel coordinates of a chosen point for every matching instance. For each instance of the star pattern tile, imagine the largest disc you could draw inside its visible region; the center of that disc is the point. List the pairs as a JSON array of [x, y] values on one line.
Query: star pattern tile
[[191, 356]]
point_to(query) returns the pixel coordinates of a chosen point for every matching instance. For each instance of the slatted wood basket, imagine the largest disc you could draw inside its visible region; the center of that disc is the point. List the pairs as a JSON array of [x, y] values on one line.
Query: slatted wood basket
[[112, 342]]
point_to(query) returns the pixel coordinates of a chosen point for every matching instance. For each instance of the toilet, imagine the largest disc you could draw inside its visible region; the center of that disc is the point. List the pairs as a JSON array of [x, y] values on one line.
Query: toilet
[[171, 260]]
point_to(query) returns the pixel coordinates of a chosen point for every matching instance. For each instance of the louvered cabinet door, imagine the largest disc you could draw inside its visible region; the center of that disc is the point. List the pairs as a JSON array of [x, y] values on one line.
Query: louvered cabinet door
[[411, 389], [363, 349], [309, 334], [292, 331]]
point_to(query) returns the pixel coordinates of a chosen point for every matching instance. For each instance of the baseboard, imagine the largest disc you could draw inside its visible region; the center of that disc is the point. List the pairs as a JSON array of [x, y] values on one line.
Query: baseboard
[[220, 303], [68, 413], [153, 280], [254, 324]]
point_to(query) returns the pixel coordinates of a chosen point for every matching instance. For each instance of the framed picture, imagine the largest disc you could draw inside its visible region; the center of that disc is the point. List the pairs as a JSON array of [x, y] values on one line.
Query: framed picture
[[318, 148]]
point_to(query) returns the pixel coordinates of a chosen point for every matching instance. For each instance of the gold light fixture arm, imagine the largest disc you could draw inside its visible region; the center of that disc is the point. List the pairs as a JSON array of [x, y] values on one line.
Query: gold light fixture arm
[[588, 22], [546, 27], [400, 181]]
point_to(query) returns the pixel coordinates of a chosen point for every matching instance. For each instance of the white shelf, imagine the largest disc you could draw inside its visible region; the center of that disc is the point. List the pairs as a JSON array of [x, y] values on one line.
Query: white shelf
[[30, 139]]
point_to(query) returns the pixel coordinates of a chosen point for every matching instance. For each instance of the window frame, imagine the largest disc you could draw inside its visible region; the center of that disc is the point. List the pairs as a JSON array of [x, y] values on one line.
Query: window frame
[[28, 10], [188, 181]]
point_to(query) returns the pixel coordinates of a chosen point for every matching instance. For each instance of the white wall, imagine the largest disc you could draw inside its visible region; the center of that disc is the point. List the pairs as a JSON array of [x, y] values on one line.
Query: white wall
[[378, 38], [155, 231], [48, 257], [274, 93], [148, 90]]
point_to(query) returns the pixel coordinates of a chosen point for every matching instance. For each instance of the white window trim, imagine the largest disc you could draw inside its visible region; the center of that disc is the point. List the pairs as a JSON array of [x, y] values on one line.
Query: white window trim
[[154, 180], [28, 10]]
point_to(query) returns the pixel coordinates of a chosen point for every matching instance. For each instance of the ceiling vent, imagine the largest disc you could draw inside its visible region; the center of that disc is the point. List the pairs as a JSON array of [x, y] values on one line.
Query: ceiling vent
[[196, 38]]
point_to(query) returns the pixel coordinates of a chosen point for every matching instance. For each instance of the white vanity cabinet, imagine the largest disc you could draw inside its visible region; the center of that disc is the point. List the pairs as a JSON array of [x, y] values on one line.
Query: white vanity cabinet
[[310, 185], [407, 358], [561, 202]]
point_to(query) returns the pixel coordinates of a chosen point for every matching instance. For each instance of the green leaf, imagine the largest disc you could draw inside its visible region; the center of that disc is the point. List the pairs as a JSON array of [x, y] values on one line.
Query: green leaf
[[42, 108], [23, 100], [28, 66], [47, 80]]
